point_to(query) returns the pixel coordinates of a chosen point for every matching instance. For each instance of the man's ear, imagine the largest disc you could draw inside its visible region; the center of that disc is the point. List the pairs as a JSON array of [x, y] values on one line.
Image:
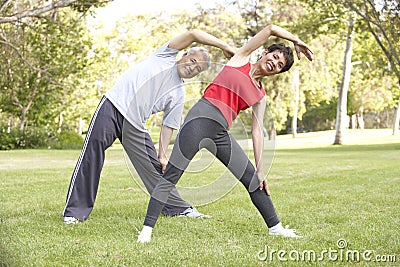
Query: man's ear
[[184, 55]]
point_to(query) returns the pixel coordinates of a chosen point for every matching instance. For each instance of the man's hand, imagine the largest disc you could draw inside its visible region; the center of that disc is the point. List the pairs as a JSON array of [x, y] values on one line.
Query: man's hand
[[301, 47], [164, 163], [165, 138]]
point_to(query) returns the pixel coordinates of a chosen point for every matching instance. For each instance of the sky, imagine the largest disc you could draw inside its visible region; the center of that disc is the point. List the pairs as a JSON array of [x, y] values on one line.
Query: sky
[[118, 8]]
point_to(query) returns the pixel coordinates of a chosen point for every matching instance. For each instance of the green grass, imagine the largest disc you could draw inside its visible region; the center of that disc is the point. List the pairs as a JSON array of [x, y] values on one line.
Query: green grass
[[327, 192]]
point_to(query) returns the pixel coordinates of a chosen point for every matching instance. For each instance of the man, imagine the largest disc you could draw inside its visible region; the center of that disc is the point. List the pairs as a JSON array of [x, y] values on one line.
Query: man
[[151, 86]]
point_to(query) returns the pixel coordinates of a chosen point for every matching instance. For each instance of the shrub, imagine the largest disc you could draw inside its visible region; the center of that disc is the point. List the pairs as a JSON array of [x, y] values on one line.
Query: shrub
[[28, 138], [7, 140], [67, 140], [38, 137]]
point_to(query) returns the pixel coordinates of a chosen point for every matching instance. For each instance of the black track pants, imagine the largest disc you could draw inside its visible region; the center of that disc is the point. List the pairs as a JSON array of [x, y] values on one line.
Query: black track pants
[[106, 126]]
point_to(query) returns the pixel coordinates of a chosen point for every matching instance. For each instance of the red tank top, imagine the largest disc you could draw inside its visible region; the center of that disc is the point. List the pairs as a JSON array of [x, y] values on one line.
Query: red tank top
[[232, 91]]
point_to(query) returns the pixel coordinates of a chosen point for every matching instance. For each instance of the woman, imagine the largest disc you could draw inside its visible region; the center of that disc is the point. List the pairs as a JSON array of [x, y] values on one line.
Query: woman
[[237, 87]]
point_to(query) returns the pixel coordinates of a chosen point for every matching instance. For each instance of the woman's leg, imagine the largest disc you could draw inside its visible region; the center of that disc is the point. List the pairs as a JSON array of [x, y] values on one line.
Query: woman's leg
[[232, 155]]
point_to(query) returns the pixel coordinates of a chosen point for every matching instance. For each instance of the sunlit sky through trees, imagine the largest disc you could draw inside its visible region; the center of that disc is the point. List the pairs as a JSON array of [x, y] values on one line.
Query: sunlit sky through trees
[[119, 8]]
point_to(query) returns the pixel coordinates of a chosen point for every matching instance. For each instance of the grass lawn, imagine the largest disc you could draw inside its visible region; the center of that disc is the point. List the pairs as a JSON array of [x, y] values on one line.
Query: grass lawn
[[344, 200]]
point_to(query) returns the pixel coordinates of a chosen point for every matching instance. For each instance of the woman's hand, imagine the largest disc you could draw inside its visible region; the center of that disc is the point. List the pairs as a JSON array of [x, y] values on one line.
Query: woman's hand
[[264, 185], [302, 47], [228, 51]]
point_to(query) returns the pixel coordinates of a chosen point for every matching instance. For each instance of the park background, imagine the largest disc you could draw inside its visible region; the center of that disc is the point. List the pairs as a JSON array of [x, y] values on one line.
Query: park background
[[58, 58]]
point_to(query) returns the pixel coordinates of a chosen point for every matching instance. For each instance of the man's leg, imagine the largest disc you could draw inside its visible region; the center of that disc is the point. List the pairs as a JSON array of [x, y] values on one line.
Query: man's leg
[[104, 128], [143, 155]]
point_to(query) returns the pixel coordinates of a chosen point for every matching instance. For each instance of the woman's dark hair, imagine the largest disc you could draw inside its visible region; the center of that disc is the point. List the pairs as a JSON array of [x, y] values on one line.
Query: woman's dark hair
[[287, 53]]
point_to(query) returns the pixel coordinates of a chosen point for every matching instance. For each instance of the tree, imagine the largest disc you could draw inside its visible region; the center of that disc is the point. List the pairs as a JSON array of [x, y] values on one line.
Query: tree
[[296, 89], [397, 117], [15, 12], [341, 114], [42, 46], [44, 53], [383, 21], [325, 17], [372, 87]]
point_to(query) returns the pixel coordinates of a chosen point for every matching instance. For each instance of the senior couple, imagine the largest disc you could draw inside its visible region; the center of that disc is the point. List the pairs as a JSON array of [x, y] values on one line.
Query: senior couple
[[156, 85]]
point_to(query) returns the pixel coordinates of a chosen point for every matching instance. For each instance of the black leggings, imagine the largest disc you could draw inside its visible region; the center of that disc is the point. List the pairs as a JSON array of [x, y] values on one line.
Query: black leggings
[[205, 127]]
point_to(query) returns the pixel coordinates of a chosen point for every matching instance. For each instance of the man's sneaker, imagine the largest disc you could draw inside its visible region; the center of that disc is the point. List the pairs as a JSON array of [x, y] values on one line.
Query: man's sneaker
[[286, 232], [192, 213], [70, 220]]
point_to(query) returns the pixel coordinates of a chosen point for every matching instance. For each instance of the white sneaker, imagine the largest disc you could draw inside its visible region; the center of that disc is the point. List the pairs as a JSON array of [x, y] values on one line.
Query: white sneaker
[[70, 220], [192, 212], [145, 235], [286, 232]]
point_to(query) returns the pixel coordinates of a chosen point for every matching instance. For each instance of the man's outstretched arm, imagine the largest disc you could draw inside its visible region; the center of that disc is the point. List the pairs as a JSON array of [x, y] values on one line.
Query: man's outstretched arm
[[184, 40]]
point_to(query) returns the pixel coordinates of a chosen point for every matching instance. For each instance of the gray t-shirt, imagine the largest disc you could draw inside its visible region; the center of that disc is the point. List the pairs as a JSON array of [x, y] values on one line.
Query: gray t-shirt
[[153, 85]]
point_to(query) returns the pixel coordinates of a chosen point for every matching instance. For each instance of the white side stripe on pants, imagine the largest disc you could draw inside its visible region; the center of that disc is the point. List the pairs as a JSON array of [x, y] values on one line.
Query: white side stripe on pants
[[78, 164]]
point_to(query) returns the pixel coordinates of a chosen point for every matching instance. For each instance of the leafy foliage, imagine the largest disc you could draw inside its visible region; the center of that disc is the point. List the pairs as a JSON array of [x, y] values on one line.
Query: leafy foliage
[[55, 67], [41, 55]]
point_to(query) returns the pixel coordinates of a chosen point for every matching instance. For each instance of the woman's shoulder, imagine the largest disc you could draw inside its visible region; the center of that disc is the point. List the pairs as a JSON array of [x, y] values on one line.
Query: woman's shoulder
[[239, 66], [239, 59]]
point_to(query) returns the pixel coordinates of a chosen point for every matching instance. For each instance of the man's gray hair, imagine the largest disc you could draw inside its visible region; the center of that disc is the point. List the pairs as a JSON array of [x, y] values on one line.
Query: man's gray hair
[[204, 51]]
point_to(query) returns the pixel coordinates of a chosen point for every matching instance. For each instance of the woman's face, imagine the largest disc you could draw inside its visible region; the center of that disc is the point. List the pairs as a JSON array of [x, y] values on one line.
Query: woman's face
[[272, 63]]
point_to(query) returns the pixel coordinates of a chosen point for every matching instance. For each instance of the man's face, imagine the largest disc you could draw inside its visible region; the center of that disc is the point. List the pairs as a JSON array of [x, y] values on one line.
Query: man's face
[[272, 63], [191, 65]]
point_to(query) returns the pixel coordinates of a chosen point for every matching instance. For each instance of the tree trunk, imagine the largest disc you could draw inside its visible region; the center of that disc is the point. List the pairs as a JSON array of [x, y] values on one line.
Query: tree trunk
[[387, 118], [353, 120], [296, 88], [396, 120], [341, 113], [60, 122], [22, 119], [9, 124], [397, 117], [80, 126], [24, 109], [360, 120]]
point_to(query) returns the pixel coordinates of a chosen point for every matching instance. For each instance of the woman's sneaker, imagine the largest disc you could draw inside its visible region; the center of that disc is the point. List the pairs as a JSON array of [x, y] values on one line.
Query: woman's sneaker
[[286, 232]]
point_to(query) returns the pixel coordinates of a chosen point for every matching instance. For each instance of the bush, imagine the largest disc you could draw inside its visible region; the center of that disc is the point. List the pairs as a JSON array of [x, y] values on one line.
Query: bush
[[35, 137], [28, 138], [7, 140], [67, 140]]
